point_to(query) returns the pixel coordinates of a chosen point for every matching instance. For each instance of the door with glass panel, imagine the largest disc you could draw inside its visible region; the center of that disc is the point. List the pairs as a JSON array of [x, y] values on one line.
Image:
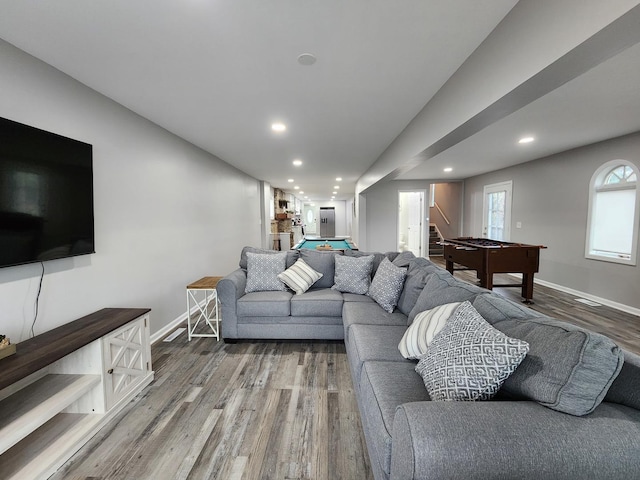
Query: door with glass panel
[[496, 221]]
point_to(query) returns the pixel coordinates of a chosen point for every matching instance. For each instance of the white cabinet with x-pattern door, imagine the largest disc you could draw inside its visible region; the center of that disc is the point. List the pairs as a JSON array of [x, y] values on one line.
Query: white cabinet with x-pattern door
[[127, 359]]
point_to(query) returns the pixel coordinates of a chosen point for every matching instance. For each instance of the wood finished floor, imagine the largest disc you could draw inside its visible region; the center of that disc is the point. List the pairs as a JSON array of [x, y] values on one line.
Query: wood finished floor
[[266, 410]]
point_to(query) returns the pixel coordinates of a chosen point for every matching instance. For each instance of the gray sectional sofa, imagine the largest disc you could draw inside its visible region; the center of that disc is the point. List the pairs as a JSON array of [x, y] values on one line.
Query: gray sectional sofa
[[570, 410]]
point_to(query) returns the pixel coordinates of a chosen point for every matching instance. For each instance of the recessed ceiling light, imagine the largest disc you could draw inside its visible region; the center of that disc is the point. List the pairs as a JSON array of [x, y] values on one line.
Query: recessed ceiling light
[[290, 180], [278, 127], [306, 59], [338, 179], [301, 192], [335, 193], [336, 186], [526, 140], [448, 169], [297, 162], [306, 198], [296, 187]]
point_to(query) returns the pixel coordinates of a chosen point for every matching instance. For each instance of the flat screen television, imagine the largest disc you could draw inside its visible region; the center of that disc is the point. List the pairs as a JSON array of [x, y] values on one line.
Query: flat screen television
[[46, 195]]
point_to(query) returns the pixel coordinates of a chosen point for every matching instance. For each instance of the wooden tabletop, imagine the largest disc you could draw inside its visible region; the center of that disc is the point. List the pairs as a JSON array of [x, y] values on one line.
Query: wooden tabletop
[[205, 283], [44, 349]]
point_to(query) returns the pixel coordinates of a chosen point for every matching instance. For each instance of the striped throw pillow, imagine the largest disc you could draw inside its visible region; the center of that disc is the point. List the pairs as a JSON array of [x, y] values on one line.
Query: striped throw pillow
[[299, 277], [425, 326]]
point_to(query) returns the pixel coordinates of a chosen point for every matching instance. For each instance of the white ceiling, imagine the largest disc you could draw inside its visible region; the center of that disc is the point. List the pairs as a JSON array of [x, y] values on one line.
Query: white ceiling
[[602, 103], [219, 72]]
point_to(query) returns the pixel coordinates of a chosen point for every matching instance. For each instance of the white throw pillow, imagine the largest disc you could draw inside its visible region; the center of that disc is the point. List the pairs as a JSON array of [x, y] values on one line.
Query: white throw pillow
[[299, 277], [424, 328]]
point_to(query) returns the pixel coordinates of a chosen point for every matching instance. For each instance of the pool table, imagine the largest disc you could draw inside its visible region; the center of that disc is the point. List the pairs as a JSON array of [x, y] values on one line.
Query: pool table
[[487, 257], [326, 244]]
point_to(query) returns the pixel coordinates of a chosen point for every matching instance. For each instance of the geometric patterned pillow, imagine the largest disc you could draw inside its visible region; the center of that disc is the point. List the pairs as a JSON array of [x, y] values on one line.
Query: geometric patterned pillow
[[353, 274], [469, 359], [387, 284], [263, 270], [422, 331], [299, 277]]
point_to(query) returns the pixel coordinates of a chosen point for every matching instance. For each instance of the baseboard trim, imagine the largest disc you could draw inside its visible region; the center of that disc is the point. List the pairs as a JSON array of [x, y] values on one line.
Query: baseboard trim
[[604, 301], [164, 331]]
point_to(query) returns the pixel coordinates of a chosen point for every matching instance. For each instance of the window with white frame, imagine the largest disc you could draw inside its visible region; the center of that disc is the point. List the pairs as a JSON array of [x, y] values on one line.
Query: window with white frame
[[614, 212]]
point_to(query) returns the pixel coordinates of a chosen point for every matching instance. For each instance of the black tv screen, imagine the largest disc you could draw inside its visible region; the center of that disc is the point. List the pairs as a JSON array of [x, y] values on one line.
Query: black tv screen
[[46, 195]]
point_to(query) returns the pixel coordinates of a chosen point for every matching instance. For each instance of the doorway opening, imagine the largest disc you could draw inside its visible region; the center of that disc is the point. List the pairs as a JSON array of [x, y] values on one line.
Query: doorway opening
[[411, 222]]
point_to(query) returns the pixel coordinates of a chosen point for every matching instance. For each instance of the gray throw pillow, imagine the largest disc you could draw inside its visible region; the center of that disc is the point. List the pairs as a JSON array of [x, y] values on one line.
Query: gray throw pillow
[[469, 359], [353, 274], [292, 255], [377, 258], [386, 286], [263, 270]]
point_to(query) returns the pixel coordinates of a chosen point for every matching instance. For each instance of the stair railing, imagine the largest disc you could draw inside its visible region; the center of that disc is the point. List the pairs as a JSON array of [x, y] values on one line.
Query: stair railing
[[435, 204]]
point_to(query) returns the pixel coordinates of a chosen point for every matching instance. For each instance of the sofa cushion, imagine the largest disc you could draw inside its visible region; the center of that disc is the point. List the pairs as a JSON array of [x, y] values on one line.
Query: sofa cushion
[[292, 255], [386, 286], [624, 389], [263, 270], [369, 313], [384, 387], [299, 277], [322, 262], [373, 342], [424, 328], [568, 369], [441, 288], [402, 259], [265, 304], [317, 303], [494, 308], [419, 271], [469, 359], [352, 297], [353, 274]]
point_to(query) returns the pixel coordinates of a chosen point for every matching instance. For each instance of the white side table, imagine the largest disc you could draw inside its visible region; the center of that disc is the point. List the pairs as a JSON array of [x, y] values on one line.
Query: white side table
[[207, 313]]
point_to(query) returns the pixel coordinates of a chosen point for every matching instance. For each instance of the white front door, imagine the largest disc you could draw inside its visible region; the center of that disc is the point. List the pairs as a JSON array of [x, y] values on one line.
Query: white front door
[[496, 218]]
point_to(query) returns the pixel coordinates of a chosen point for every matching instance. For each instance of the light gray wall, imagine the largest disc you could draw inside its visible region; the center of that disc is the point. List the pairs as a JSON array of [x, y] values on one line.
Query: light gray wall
[[382, 213], [550, 199], [166, 213]]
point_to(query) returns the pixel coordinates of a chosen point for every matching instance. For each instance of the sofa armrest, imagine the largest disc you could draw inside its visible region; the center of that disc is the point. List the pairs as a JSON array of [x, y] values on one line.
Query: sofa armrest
[[230, 289], [506, 440]]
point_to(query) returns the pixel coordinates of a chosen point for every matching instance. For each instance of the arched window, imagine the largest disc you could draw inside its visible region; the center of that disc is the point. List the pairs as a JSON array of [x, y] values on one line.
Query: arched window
[[614, 212]]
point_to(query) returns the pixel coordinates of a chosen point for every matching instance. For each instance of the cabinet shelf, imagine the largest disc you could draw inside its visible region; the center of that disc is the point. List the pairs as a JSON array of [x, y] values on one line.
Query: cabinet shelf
[[61, 387], [47, 448], [38, 403]]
